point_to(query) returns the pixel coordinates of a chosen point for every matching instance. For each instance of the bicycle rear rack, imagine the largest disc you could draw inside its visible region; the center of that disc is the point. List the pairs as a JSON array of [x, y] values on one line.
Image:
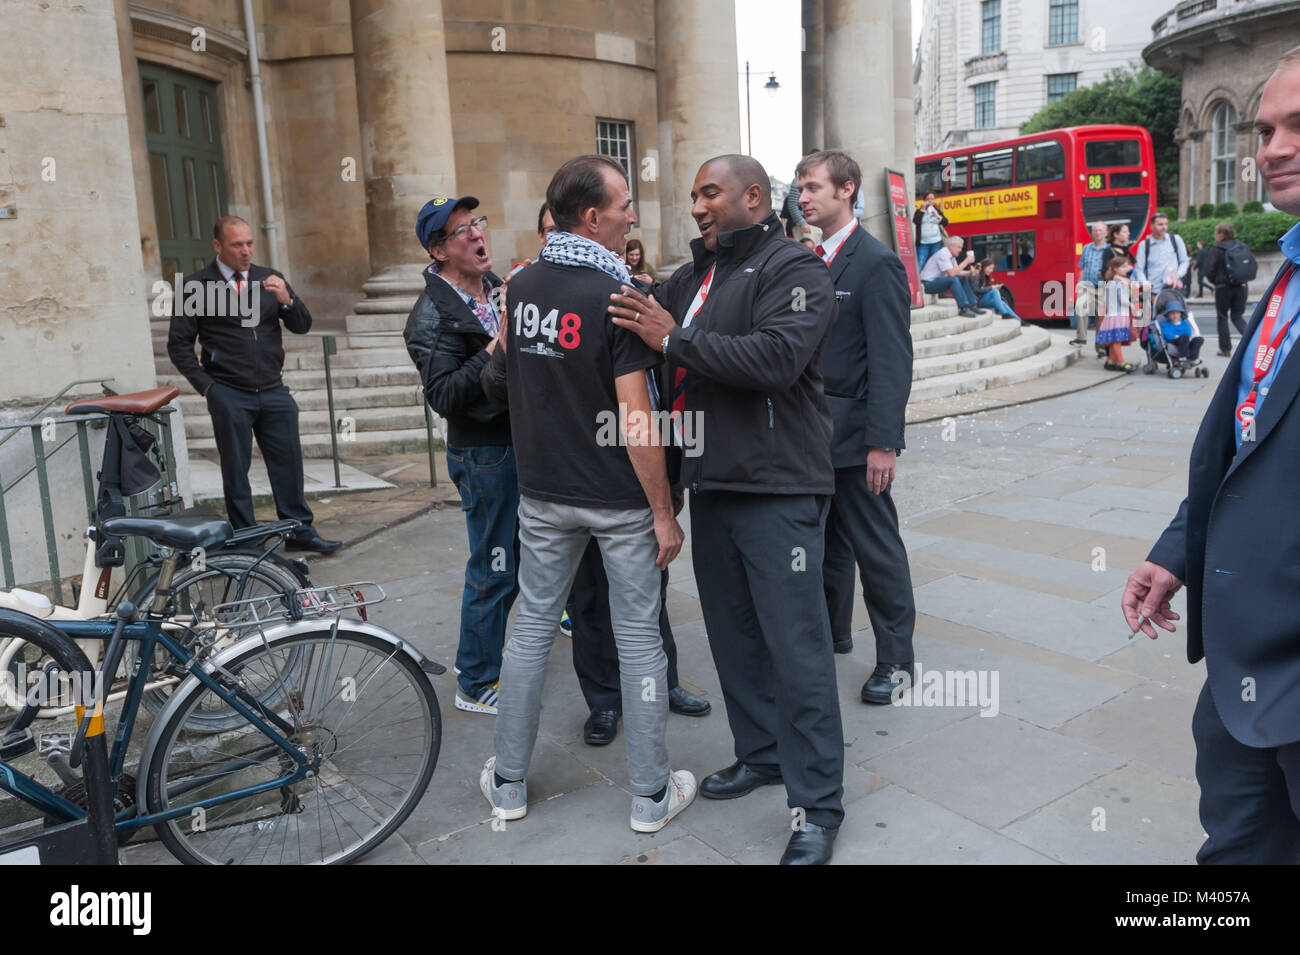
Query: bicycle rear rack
[[307, 602]]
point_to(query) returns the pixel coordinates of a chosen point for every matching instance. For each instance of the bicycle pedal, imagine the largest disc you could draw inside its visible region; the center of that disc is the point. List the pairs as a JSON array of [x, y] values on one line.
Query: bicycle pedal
[[15, 744], [49, 743]]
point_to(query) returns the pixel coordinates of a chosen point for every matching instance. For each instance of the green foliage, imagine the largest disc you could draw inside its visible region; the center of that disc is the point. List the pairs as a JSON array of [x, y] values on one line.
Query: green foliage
[[1225, 210], [1170, 211], [1205, 211], [1145, 97], [1253, 206], [1259, 230]]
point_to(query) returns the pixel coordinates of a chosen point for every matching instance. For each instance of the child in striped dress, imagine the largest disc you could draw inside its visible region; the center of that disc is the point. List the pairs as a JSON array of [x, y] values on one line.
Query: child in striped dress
[[1118, 313]]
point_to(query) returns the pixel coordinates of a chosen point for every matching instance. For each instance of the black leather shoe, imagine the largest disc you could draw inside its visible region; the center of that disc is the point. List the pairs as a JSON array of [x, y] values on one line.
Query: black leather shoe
[[312, 541], [881, 684], [844, 646], [688, 704], [810, 845], [967, 312], [601, 728], [736, 780]]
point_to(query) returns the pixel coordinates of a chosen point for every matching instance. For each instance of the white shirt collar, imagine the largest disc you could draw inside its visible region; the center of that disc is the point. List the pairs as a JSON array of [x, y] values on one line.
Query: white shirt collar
[[227, 272], [831, 244]]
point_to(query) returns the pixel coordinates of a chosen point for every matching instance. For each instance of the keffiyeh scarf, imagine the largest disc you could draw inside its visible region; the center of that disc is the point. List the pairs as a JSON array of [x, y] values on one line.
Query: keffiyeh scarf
[[565, 248]]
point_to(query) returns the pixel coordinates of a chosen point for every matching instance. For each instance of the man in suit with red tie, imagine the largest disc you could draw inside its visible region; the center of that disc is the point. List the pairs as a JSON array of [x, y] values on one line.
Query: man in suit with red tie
[[1235, 542], [235, 309], [868, 372]]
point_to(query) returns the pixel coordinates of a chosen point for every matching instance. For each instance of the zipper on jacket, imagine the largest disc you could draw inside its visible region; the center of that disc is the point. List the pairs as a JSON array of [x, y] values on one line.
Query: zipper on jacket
[[771, 416]]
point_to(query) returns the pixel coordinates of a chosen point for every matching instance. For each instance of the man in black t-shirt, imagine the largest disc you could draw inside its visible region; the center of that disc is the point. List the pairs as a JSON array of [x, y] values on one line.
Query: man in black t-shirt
[[591, 464]]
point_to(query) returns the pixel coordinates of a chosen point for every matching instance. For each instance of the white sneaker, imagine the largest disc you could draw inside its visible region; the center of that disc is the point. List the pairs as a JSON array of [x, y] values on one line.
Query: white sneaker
[[485, 703], [509, 801], [651, 816]]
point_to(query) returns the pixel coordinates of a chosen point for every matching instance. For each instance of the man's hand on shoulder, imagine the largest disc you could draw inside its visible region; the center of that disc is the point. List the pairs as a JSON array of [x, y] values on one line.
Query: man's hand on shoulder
[[1146, 599], [641, 315]]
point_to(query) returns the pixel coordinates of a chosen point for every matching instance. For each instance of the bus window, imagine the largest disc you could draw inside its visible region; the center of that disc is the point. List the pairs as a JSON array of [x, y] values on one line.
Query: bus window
[[995, 246], [954, 172], [1126, 180], [929, 177], [1040, 162], [1025, 243], [1112, 152], [991, 169]]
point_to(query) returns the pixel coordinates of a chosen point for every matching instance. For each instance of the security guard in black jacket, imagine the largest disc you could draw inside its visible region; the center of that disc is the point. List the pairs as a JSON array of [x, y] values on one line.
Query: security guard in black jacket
[[450, 334], [868, 371], [753, 311], [238, 367]]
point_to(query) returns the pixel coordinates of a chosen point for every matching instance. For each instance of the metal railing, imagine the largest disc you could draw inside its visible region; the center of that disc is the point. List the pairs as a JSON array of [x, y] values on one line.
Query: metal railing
[[329, 347], [45, 428]]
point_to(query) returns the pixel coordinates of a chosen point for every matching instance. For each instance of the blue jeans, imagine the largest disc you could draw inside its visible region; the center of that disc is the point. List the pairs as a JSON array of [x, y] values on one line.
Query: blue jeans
[[489, 496], [923, 251], [993, 299], [952, 283]]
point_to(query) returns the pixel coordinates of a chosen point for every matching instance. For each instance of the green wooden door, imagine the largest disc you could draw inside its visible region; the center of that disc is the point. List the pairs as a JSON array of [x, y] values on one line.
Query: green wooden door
[[185, 167]]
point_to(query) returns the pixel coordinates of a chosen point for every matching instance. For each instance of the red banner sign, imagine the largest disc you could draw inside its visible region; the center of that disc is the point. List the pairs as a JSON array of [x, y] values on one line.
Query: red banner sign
[[900, 206]]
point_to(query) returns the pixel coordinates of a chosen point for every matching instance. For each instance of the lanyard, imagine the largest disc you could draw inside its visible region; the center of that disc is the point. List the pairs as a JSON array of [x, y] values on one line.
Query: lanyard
[[700, 296], [840, 246], [1266, 348]]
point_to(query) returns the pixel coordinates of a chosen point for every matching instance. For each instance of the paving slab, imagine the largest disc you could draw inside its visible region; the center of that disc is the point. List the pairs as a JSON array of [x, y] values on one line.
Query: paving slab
[[1151, 723]]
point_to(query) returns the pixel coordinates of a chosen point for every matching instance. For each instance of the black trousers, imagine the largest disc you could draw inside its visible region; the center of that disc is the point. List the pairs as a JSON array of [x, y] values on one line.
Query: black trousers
[[271, 416], [1250, 798], [758, 564], [1230, 300], [595, 655], [862, 528]]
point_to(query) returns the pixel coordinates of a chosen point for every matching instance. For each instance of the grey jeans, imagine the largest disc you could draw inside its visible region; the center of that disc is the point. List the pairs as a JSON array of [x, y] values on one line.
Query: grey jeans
[[552, 538]]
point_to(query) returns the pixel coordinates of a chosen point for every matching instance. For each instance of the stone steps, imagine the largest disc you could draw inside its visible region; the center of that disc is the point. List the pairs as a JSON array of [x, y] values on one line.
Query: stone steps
[[365, 444], [989, 332], [1053, 357]]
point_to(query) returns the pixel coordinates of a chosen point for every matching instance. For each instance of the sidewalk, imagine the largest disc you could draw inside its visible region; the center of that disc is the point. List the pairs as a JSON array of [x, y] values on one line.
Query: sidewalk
[[1022, 525]]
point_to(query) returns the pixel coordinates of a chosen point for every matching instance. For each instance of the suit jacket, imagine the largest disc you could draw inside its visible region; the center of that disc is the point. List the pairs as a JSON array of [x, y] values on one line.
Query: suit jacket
[[867, 363], [233, 350], [1235, 542]]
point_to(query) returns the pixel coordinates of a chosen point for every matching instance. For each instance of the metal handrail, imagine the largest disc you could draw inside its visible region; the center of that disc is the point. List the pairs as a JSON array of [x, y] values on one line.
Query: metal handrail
[[102, 382], [329, 346]]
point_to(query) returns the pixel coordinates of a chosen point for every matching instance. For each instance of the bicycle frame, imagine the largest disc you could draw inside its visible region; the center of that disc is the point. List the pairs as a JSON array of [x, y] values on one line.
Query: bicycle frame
[[150, 634]]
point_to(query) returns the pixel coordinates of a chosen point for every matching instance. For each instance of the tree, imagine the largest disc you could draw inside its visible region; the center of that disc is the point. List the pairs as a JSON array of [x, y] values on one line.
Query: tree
[[1145, 97]]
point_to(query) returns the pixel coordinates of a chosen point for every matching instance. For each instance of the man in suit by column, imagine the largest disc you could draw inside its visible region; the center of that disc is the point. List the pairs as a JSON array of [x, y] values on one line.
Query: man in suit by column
[[235, 309], [1235, 542], [868, 371]]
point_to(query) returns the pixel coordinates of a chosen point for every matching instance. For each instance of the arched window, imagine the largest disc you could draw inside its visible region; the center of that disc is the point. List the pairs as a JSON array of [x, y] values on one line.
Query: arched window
[[1223, 153]]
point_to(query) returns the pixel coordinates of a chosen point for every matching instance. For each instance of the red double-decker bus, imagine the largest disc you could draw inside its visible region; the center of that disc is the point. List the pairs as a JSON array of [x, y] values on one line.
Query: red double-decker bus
[[1026, 203]]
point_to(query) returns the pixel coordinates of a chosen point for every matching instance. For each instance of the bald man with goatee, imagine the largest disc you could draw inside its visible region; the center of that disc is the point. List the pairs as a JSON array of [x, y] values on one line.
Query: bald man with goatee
[[743, 326]]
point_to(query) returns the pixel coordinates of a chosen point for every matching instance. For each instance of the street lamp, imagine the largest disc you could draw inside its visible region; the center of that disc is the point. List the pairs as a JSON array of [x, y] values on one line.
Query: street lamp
[[771, 84]]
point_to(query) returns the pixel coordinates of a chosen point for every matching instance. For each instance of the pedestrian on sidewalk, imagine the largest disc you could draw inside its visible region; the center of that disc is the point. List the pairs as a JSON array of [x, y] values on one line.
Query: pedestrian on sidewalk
[[743, 325], [867, 366], [1161, 260], [450, 334], [1086, 291], [1117, 240], [588, 468], [1119, 313], [238, 370], [1230, 288], [929, 222], [1234, 542]]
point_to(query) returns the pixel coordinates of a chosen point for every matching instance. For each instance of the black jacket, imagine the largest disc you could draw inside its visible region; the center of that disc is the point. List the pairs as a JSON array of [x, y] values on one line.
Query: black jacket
[[753, 363], [449, 347], [868, 361], [918, 217], [1235, 542], [247, 358]]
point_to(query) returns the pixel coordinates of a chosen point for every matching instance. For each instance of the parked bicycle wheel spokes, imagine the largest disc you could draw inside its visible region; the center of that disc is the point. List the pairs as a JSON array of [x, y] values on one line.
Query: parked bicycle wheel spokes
[[362, 731]]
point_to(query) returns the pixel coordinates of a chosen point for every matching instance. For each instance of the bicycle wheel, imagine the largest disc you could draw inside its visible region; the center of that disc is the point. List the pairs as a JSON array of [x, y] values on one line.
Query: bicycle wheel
[[227, 577], [360, 709]]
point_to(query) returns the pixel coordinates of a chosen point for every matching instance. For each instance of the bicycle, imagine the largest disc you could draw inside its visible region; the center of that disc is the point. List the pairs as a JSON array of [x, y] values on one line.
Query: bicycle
[[243, 566], [307, 762]]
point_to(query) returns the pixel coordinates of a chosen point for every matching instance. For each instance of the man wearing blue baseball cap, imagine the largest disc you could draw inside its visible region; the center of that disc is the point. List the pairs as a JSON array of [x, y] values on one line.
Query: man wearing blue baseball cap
[[450, 334]]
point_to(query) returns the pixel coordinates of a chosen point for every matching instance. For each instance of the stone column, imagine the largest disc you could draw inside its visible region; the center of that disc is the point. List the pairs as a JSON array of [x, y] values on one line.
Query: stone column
[[860, 93], [407, 153], [904, 102], [139, 148], [814, 115], [696, 76]]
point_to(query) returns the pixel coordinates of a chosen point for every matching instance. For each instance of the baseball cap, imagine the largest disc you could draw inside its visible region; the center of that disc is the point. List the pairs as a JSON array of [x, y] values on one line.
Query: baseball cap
[[435, 213]]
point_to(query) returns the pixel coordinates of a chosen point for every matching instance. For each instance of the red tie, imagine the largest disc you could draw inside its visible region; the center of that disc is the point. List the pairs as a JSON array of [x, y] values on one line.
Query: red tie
[[239, 281], [821, 253]]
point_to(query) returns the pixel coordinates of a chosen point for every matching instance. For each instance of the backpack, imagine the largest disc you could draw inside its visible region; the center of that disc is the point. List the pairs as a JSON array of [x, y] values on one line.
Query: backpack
[[1238, 263]]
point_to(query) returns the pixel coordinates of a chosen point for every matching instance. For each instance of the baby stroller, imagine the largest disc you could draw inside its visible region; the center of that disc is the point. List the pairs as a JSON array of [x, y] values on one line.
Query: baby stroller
[[1153, 341]]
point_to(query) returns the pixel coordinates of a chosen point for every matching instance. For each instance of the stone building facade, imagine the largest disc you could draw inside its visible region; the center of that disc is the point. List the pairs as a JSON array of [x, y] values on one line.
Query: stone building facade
[[1224, 51], [983, 67]]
